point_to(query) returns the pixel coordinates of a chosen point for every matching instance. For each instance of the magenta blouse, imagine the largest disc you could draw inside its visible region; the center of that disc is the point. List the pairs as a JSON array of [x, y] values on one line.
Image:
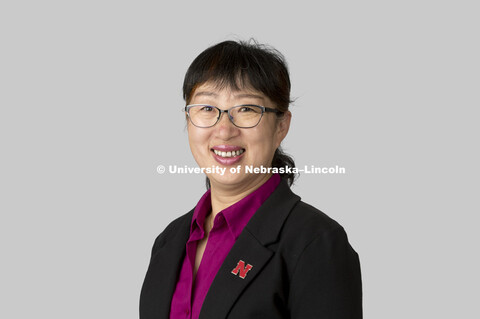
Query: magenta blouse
[[189, 294]]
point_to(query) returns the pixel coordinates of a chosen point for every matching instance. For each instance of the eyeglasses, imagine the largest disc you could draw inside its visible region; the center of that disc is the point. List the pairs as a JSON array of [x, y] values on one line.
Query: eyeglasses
[[242, 116]]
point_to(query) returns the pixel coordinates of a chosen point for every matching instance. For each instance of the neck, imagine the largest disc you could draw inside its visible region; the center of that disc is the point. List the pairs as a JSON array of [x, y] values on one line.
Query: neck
[[223, 196]]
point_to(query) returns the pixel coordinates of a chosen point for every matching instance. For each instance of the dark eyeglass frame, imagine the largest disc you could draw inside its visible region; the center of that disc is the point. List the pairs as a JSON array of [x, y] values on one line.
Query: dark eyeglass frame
[[220, 112]]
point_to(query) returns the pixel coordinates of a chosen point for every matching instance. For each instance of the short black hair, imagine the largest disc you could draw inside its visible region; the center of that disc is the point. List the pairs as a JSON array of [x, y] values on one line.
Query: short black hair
[[239, 65]]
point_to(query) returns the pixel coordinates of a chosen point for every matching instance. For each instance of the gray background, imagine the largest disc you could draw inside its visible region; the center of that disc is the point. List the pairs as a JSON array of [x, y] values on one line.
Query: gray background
[[90, 105]]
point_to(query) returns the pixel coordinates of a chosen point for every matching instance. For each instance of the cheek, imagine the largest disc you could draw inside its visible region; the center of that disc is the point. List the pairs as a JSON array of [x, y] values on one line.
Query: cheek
[[198, 140], [262, 146]]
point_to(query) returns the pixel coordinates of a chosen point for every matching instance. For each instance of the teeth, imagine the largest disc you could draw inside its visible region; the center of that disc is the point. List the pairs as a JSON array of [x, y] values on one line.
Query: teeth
[[228, 154]]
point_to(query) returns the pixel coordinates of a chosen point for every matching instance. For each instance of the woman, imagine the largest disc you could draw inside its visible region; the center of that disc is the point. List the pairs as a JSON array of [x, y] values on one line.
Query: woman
[[250, 248]]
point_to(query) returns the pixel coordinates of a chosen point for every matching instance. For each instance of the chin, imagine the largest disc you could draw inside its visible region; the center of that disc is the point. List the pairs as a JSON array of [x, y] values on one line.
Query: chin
[[228, 178]]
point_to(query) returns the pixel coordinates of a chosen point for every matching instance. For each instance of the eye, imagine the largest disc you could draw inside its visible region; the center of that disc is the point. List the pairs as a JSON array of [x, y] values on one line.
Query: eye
[[247, 108], [206, 108]]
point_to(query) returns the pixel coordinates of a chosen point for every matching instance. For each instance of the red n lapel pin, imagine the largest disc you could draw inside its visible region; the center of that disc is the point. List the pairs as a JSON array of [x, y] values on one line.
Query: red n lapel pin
[[242, 269]]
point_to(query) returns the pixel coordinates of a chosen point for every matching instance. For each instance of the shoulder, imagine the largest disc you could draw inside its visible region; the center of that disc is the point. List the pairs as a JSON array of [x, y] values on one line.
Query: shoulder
[[324, 270], [173, 228], [179, 222], [309, 221], [307, 226]]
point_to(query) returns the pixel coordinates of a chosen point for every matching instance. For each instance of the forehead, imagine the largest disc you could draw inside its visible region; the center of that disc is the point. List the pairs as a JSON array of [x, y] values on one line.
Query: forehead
[[214, 90]]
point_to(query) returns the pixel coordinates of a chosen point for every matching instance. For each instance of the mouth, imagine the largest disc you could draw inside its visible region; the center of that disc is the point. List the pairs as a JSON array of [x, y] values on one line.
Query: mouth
[[227, 154]]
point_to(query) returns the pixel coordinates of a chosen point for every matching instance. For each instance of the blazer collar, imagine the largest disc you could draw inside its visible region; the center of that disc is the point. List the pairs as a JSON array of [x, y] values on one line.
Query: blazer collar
[[267, 222], [249, 249]]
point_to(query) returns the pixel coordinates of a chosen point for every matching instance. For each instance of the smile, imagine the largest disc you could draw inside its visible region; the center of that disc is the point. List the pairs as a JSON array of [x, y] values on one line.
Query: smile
[[229, 153]]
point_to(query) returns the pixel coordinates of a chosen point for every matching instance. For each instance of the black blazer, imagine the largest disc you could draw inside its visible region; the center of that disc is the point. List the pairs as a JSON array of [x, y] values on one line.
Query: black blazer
[[302, 267]]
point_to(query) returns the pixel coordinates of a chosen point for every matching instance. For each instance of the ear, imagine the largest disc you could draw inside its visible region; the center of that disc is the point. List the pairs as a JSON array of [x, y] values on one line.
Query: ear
[[283, 125]]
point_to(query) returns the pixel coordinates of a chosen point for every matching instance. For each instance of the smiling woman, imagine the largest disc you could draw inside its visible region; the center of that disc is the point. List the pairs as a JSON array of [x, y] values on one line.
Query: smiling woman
[[247, 135], [250, 248]]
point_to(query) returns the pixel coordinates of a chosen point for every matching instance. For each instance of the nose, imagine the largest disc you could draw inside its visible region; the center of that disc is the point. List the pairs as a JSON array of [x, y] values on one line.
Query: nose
[[225, 128]]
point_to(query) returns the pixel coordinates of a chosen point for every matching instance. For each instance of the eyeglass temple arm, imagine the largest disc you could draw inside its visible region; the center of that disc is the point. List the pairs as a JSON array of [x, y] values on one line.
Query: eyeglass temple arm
[[267, 109]]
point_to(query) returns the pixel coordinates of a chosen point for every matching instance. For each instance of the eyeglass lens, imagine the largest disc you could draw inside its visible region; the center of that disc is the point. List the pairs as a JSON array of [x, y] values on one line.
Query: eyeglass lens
[[242, 115]]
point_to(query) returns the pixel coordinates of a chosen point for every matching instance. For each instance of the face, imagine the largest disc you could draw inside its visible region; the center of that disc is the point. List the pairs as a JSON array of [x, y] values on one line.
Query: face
[[256, 145]]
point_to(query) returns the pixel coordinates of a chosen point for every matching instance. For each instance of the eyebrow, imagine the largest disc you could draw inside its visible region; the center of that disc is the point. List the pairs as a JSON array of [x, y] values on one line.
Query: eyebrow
[[205, 93], [239, 95], [250, 95]]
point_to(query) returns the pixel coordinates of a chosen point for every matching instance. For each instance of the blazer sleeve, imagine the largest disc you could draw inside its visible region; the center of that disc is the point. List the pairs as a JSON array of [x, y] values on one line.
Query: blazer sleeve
[[326, 282]]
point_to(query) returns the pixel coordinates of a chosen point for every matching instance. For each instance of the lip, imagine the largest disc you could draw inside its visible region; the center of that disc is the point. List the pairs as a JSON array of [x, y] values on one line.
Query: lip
[[227, 160]]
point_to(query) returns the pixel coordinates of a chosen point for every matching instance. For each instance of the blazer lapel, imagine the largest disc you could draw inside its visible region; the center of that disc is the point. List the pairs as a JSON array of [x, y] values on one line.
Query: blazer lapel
[[227, 286], [163, 271], [250, 248]]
